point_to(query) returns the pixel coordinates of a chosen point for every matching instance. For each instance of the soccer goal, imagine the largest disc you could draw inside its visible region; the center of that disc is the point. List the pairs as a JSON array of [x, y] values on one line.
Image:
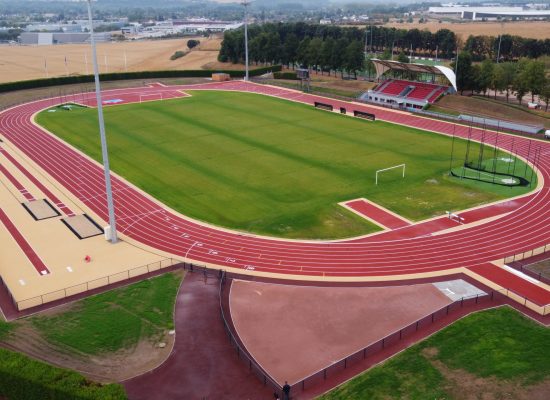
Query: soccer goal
[[390, 168], [150, 97]]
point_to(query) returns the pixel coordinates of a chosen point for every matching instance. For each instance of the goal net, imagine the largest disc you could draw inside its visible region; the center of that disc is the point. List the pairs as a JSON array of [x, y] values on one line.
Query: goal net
[[150, 97], [403, 166]]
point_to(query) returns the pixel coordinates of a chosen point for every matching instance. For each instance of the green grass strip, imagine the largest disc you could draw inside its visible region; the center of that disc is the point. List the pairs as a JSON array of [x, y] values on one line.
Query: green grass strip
[[24, 378], [499, 343], [114, 320]]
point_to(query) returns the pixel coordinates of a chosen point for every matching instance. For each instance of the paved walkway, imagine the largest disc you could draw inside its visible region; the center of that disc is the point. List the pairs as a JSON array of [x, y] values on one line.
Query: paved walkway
[[203, 364]]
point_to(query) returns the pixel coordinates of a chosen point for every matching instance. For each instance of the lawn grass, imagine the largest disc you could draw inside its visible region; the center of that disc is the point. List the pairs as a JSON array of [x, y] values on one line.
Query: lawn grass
[[6, 329], [499, 343], [269, 166], [24, 378], [114, 320]]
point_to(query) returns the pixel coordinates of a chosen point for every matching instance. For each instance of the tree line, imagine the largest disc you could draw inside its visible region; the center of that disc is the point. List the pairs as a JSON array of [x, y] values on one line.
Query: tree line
[[286, 43], [505, 47], [527, 76]]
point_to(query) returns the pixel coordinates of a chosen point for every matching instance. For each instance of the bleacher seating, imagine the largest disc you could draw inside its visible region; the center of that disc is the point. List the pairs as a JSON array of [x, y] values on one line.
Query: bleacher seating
[[411, 90], [436, 94], [395, 87]]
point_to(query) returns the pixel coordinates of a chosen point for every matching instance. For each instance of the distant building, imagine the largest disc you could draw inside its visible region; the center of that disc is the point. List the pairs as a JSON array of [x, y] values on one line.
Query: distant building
[[203, 25], [477, 13], [54, 28], [131, 29], [325, 21], [49, 38]]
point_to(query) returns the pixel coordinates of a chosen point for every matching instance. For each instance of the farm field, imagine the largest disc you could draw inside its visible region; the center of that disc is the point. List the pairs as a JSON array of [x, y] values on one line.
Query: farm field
[[273, 167], [28, 62], [515, 363], [528, 29]]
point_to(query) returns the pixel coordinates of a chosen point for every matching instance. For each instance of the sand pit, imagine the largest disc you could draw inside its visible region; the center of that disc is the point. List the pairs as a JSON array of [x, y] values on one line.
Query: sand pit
[[40, 209], [82, 226]]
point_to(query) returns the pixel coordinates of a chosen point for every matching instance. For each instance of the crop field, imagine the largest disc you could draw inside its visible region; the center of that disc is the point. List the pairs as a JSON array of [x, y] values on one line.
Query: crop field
[[528, 29], [269, 166], [34, 62]]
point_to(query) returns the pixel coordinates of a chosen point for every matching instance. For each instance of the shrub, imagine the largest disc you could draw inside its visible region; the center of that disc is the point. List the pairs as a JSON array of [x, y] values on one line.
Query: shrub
[[285, 75], [177, 54], [192, 43], [24, 378], [118, 76]]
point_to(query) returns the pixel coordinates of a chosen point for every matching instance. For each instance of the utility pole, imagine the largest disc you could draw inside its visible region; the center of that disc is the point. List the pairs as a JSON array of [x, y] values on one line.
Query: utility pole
[[110, 205], [246, 3]]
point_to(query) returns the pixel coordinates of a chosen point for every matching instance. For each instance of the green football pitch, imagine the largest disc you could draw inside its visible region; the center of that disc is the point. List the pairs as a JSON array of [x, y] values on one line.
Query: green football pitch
[[270, 166]]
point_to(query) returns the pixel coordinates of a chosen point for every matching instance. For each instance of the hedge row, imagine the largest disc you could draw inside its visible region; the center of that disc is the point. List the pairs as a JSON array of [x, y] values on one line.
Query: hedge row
[[285, 75], [25, 378], [116, 76]]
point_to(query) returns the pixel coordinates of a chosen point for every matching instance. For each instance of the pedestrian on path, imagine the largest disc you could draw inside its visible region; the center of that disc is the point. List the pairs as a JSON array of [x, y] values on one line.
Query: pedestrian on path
[[286, 391]]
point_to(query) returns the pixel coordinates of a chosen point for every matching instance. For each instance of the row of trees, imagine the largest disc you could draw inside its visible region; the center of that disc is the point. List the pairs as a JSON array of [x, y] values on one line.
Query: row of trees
[[519, 78], [267, 46], [280, 42], [511, 47]]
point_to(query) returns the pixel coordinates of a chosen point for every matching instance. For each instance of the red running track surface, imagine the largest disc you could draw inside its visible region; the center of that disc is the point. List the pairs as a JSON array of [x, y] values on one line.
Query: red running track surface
[[377, 214], [413, 251], [35, 260], [536, 294], [66, 210], [16, 183]]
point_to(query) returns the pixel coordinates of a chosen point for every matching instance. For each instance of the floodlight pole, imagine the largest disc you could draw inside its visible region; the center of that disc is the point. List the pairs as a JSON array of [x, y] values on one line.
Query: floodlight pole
[[110, 205], [245, 3]]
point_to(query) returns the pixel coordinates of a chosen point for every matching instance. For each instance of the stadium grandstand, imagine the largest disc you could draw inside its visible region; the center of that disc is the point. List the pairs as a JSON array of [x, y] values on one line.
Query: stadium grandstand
[[429, 84]]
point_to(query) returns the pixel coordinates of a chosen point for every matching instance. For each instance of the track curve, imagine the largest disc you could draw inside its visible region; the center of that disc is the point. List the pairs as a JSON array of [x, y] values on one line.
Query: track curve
[[143, 219]]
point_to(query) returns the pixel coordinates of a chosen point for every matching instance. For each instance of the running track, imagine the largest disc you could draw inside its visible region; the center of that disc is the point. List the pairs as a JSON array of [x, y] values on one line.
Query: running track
[[144, 220]]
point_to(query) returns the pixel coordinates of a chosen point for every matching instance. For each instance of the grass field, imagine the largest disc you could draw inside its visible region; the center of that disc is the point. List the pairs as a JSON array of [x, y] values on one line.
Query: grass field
[[495, 354], [269, 166], [114, 320]]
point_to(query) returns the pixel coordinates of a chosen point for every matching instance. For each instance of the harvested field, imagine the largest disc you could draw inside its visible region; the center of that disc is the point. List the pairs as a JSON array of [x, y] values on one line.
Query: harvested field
[[29, 62], [529, 29]]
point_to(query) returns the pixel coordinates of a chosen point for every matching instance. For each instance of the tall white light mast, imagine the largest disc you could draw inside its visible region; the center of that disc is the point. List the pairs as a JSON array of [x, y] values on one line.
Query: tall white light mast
[[246, 3], [110, 204]]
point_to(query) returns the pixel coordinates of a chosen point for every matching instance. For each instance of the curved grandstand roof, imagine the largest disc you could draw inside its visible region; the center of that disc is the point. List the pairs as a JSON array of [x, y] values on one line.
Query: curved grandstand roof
[[382, 66]]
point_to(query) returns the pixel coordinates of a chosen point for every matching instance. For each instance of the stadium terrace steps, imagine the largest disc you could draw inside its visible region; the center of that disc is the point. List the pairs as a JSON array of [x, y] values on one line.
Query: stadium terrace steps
[[411, 90]]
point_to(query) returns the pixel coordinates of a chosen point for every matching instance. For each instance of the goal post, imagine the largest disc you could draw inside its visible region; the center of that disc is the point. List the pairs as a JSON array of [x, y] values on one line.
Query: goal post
[[389, 168], [148, 97]]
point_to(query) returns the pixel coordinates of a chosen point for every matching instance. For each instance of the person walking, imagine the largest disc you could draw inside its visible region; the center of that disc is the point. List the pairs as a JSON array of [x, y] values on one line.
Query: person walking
[[286, 391]]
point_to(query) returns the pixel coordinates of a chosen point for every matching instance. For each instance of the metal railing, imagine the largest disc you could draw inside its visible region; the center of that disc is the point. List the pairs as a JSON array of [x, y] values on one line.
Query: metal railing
[[92, 284], [372, 348], [393, 338], [514, 261], [242, 354]]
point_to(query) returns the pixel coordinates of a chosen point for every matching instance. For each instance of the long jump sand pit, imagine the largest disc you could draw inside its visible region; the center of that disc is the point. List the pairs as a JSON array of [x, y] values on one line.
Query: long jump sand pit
[[40, 209], [294, 331]]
